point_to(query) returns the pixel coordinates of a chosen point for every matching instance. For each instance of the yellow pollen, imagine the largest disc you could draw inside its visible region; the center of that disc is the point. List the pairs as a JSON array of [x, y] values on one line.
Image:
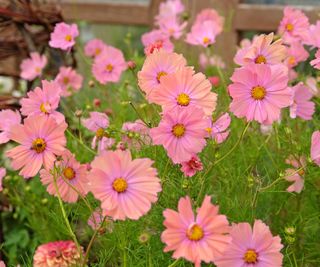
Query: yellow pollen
[[183, 99], [206, 40], [291, 60], [100, 133], [120, 185], [258, 92], [260, 59], [43, 108], [97, 51], [251, 256], [109, 68], [301, 172], [195, 232], [38, 145], [66, 81], [160, 74], [289, 27], [69, 173], [209, 130], [37, 69], [68, 38], [178, 130]]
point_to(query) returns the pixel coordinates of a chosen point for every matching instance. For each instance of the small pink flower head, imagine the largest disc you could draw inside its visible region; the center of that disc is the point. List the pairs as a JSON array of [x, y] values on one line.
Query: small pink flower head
[[169, 9], [218, 129], [3, 173], [156, 40], [295, 175], [8, 118], [203, 237], [126, 187], [94, 48], [155, 67], [212, 15], [259, 92], [313, 38], [69, 81], [63, 36], [2, 264], [57, 254], [315, 147], [254, 247], [215, 60], [43, 102], [41, 139], [97, 218], [316, 62], [185, 89], [70, 174], [296, 54], [192, 166], [302, 105], [203, 34], [131, 65], [136, 134], [313, 85], [294, 25], [109, 66], [172, 27], [32, 67], [182, 132], [214, 80]]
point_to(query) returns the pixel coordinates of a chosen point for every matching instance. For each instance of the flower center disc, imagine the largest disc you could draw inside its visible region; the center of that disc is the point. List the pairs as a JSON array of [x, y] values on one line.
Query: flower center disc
[[66, 80], [160, 74], [183, 99], [291, 60], [100, 133], [258, 92], [69, 173], [97, 51], [39, 145], [68, 38], [289, 27], [195, 232], [120, 185], [178, 130], [260, 60], [206, 40], [251, 256], [109, 68], [301, 172], [44, 107]]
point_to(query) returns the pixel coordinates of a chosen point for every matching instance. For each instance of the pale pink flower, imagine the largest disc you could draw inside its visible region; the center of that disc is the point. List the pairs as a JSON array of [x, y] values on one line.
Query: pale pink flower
[[156, 40], [182, 132], [259, 92], [109, 66], [214, 60], [169, 9], [3, 173], [185, 89], [94, 48], [313, 85], [172, 27], [254, 247], [63, 36], [126, 187], [136, 134], [302, 105], [43, 102], [8, 118], [41, 139], [57, 254], [69, 81], [313, 38], [203, 34], [295, 175], [210, 14], [245, 46], [203, 237], [316, 62], [218, 129], [266, 129], [155, 67], [32, 67], [192, 166], [296, 54], [315, 147]]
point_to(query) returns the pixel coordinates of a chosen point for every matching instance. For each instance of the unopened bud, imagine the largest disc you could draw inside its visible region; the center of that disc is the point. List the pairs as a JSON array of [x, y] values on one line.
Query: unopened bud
[[131, 64]]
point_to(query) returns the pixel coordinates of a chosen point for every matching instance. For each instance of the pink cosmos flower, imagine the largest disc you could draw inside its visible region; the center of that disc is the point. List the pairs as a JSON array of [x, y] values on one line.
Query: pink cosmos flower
[[32, 67], [196, 238], [313, 38], [181, 132], [126, 187], [69, 81], [172, 27], [43, 102], [296, 54], [214, 60], [259, 92], [2, 264], [185, 89], [69, 172], [8, 118], [316, 62], [313, 85], [292, 175], [109, 66], [192, 166], [218, 129], [252, 247], [169, 9], [245, 46], [302, 105], [210, 14], [94, 48], [315, 147], [40, 139], [203, 34], [155, 67], [3, 173], [63, 36], [57, 254], [156, 40], [136, 134], [294, 25]]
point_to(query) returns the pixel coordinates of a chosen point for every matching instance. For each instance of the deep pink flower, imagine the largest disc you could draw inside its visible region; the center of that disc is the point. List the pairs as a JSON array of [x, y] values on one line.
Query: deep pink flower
[[69, 81], [214, 80], [94, 48], [156, 40], [40, 139], [315, 147], [136, 134], [295, 176], [8, 118], [196, 238], [218, 129], [296, 54], [126, 187], [32, 67], [254, 247], [3, 173], [63, 36], [192, 166], [172, 27], [203, 34], [316, 62]]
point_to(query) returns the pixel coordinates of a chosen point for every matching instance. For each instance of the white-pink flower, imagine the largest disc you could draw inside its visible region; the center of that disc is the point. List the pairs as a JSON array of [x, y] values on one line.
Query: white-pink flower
[[32, 67], [69, 80]]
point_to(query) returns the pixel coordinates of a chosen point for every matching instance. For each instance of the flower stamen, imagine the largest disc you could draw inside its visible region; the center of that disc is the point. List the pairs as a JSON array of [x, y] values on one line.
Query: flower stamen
[[250, 256], [195, 232], [39, 145], [120, 185], [178, 130], [258, 92]]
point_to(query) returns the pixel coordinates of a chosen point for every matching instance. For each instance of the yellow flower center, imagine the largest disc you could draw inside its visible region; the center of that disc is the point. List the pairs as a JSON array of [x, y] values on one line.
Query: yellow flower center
[[251, 256], [69, 173], [183, 99], [37, 69], [120, 185], [206, 40], [68, 38], [43, 107], [109, 68], [97, 51], [160, 74], [301, 172], [260, 59], [258, 92], [100, 133], [209, 130], [195, 232], [66, 81], [289, 27], [178, 130], [291, 60], [39, 145]]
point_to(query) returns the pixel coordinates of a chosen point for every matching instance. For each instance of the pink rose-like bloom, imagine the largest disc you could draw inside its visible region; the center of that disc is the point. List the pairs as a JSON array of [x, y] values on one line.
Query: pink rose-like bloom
[[109, 66], [94, 48], [296, 54], [169, 9], [155, 67], [32, 67], [156, 40], [313, 85], [41, 139], [254, 247], [126, 187], [172, 27], [3, 173], [203, 237], [313, 38], [294, 25], [218, 129], [295, 176], [69, 81], [57, 254], [316, 62], [182, 132], [203, 34], [43, 102], [259, 92], [185, 89], [210, 14], [8, 118], [315, 147], [214, 80], [69, 171], [63, 36], [192, 166], [302, 106], [136, 134], [214, 60]]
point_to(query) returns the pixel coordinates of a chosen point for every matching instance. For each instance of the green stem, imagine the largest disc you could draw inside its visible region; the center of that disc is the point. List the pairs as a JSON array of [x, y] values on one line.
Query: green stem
[[174, 263], [81, 142], [139, 115]]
